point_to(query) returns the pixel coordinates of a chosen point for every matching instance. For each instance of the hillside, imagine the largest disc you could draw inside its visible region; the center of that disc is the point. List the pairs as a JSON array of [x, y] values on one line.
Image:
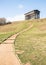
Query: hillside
[[10, 29], [31, 45]]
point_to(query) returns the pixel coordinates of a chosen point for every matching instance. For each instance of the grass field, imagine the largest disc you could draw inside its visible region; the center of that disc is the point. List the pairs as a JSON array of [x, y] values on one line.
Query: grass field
[[31, 45], [4, 36], [10, 29]]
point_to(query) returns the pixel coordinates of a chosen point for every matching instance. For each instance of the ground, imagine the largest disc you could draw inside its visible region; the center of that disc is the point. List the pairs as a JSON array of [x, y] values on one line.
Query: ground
[[7, 52], [28, 48], [33, 44]]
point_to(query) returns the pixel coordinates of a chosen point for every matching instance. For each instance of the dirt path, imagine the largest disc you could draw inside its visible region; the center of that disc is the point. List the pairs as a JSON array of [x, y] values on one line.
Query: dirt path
[[7, 56], [7, 53]]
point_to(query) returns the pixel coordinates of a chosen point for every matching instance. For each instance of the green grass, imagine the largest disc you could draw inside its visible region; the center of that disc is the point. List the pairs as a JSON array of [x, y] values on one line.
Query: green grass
[[33, 43], [10, 29], [4, 36]]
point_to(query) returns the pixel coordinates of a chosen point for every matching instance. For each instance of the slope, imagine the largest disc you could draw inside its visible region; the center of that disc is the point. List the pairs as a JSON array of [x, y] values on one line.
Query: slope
[[10, 29], [31, 45]]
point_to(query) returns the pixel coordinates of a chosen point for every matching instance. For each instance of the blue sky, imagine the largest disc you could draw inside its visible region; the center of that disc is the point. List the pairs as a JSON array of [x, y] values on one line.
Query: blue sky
[[15, 9]]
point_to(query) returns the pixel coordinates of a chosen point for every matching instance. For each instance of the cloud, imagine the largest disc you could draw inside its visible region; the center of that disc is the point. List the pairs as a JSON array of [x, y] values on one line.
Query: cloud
[[20, 6], [16, 18]]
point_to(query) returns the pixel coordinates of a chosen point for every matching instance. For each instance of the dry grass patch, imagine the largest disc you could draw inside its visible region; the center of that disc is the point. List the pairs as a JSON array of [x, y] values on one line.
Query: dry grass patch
[[10, 29], [33, 43]]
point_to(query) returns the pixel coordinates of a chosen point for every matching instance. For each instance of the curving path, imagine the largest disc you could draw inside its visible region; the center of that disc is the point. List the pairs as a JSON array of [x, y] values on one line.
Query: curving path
[[7, 52]]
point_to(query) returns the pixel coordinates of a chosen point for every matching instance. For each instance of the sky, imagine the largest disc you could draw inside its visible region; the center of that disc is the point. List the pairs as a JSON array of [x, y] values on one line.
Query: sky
[[15, 9]]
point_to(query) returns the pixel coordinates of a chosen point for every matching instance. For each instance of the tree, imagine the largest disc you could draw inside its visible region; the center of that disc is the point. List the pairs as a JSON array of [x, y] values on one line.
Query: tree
[[2, 21]]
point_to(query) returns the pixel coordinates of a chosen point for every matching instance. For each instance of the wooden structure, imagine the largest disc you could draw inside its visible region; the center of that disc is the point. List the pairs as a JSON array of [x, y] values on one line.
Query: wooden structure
[[35, 14]]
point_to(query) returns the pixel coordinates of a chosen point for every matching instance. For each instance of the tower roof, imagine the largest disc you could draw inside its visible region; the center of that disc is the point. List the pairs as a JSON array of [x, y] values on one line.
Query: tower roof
[[31, 12]]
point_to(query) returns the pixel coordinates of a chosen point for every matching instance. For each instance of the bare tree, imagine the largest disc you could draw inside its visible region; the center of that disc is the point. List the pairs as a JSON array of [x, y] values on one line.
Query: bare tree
[[2, 21]]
